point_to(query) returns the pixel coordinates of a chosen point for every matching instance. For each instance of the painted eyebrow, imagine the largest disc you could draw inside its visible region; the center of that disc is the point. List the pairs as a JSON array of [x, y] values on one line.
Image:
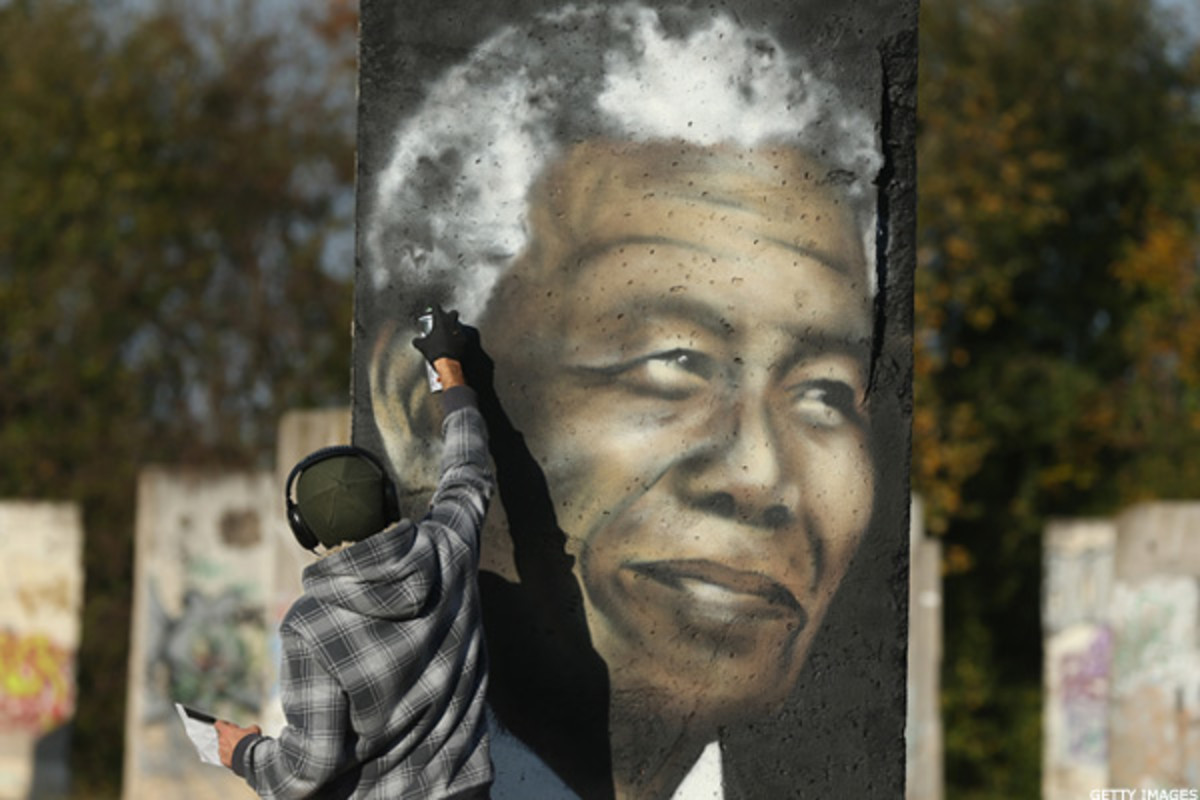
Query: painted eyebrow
[[814, 346], [683, 308]]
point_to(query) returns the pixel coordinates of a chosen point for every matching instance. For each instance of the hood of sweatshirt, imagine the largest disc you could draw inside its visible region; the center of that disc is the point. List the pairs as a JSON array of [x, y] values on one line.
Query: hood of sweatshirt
[[390, 575]]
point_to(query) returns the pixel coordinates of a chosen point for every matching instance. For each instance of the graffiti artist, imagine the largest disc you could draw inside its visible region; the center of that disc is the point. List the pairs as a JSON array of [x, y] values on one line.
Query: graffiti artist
[[384, 671]]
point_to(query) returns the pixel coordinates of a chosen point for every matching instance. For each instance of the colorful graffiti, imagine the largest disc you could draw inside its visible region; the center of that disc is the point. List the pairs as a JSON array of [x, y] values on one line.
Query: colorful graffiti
[[210, 656], [1155, 658], [199, 630], [37, 682], [1155, 627], [1083, 691]]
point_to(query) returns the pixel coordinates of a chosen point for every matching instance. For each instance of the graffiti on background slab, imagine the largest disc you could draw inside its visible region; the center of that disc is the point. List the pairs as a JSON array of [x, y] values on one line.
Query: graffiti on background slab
[[1155, 626], [209, 656], [36, 682], [1084, 691]]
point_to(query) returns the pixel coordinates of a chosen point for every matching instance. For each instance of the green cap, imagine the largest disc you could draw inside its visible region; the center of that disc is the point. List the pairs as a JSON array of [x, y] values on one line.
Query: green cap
[[342, 499]]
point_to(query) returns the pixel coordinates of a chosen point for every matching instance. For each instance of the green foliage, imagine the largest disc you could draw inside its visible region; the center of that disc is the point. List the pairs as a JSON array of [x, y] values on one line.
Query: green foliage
[[165, 213], [1058, 321]]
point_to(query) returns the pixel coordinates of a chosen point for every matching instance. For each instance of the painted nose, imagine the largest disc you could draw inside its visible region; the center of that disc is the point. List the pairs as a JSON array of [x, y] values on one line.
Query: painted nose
[[740, 470]]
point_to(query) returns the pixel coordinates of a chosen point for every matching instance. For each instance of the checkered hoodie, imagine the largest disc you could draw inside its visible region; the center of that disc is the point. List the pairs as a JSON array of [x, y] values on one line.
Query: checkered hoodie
[[384, 669]]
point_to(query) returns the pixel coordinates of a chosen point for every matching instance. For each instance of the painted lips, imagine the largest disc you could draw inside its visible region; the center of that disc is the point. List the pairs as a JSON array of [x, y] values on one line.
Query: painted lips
[[717, 590]]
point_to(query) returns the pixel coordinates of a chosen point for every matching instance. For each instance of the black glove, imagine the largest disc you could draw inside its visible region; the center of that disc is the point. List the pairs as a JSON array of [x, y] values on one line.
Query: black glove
[[445, 340]]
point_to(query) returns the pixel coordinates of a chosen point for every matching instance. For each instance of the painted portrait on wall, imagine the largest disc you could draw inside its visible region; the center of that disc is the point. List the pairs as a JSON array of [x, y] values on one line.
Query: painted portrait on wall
[[675, 229]]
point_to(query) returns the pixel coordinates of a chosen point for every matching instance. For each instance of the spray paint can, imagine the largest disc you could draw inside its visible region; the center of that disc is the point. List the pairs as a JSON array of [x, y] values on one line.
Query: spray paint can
[[425, 323]]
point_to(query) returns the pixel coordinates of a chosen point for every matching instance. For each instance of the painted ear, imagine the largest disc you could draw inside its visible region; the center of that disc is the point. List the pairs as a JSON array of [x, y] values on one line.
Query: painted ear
[[405, 413]]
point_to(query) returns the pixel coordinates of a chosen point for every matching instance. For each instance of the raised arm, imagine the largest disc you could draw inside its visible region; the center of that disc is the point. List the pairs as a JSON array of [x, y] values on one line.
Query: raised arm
[[466, 483]]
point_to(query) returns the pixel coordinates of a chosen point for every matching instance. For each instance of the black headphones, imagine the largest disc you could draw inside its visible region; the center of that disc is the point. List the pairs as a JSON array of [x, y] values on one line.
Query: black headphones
[[304, 535]]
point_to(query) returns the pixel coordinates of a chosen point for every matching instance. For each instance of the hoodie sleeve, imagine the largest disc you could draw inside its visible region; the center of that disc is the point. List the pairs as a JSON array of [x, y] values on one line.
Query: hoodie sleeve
[[309, 749], [466, 482]]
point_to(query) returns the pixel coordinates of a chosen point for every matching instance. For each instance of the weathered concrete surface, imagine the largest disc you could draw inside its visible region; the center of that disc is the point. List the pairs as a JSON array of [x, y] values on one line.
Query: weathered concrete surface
[[41, 591], [1079, 572], [1122, 652], [1155, 716], [1076, 614], [923, 732], [1158, 540], [202, 587]]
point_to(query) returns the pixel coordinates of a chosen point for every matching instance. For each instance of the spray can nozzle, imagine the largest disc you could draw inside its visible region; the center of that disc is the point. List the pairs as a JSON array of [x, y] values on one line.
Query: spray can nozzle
[[425, 323]]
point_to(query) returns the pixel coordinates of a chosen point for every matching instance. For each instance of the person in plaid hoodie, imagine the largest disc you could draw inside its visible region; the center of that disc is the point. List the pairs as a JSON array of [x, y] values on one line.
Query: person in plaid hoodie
[[384, 672]]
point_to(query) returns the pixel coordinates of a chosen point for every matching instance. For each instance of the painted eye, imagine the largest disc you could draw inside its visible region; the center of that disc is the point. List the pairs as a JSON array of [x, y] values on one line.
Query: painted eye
[[671, 375], [826, 404]]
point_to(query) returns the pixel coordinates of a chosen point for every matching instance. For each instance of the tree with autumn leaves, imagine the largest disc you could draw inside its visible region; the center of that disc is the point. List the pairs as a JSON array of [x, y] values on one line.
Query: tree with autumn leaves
[[1057, 322], [173, 189]]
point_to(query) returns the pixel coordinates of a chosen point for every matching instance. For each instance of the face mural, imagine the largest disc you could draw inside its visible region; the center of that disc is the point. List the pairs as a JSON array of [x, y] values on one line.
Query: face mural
[[664, 226], [695, 391]]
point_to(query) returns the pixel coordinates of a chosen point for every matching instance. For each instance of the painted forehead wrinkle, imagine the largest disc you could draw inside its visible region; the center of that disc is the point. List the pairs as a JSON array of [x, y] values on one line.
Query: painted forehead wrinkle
[[486, 131], [714, 200], [579, 260]]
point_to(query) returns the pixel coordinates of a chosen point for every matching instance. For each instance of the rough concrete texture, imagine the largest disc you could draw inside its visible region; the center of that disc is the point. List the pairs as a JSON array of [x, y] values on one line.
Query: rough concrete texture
[[202, 578], [1158, 540], [1076, 613], [1154, 738], [1122, 619], [1078, 577], [685, 233], [41, 589], [923, 731]]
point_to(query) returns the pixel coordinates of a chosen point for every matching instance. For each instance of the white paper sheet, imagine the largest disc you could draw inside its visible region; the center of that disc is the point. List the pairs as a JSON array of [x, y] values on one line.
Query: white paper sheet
[[201, 732]]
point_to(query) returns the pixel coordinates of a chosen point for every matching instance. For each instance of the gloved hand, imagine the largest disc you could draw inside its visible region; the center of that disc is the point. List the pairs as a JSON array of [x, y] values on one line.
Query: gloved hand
[[445, 340]]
